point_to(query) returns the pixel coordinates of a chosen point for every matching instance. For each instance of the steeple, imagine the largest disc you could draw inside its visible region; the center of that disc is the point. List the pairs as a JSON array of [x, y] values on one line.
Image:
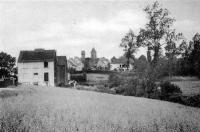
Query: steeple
[[82, 56], [93, 53]]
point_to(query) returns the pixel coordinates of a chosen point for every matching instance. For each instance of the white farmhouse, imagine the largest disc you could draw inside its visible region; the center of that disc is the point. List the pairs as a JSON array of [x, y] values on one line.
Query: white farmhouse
[[39, 67], [120, 64]]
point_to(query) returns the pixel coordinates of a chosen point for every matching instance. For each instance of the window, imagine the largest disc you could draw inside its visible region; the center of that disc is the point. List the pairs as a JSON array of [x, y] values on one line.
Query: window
[[45, 64], [35, 73], [46, 76]]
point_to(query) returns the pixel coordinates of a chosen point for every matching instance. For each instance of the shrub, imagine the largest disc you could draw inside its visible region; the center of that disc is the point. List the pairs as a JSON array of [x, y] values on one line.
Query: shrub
[[130, 87], [105, 89], [168, 89], [115, 80], [78, 77], [177, 98], [193, 101]]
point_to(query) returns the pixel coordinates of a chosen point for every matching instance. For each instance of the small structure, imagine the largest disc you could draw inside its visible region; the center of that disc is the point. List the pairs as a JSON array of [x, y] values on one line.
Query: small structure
[[120, 64], [62, 71], [41, 67]]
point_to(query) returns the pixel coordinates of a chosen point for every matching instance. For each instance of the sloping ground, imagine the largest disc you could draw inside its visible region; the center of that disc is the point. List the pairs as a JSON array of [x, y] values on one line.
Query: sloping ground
[[59, 109]]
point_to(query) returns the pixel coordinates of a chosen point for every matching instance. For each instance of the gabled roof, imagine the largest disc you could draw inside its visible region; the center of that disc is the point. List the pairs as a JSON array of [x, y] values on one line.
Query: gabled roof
[[37, 56], [61, 60]]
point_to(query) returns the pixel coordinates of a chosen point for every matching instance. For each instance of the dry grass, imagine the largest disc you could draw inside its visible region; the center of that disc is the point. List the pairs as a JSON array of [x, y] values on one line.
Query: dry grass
[[57, 109]]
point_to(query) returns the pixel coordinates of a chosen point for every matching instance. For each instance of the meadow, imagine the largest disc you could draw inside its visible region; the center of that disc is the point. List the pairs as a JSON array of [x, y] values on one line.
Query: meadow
[[49, 109], [189, 85]]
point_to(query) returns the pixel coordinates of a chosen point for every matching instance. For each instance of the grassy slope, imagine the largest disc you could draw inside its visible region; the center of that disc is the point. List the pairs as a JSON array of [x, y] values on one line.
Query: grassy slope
[[49, 109]]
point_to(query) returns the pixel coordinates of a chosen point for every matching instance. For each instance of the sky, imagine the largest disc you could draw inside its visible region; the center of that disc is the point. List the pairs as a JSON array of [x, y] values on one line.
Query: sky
[[72, 26]]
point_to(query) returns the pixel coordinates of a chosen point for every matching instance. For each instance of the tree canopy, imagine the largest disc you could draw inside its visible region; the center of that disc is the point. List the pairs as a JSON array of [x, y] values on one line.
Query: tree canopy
[[130, 45], [159, 22], [7, 63]]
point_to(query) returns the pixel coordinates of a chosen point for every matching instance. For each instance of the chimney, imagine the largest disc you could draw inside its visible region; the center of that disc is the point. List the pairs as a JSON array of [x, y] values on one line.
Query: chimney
[[39, 49]]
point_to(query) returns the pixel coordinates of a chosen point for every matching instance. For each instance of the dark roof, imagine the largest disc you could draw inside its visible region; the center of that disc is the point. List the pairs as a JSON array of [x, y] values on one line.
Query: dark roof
[[61, 60], [92, 60], [120, 60], [37, 56]]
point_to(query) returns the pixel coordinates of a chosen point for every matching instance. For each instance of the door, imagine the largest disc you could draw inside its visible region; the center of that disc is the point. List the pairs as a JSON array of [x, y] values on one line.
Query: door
[[35, 78], [46, 78]]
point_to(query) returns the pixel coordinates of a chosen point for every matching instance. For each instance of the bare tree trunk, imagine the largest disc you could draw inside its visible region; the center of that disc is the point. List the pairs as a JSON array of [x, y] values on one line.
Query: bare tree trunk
[[156, 56], [128, 62], [149, 55]]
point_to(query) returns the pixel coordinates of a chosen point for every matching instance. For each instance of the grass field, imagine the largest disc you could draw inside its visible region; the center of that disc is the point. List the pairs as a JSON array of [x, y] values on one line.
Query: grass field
[[69, 110], [189, 85]]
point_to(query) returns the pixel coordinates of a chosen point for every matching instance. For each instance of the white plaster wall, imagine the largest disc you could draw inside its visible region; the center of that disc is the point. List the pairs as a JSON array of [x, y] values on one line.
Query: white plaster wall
[[26, 73], [117, 66], [114, 66]]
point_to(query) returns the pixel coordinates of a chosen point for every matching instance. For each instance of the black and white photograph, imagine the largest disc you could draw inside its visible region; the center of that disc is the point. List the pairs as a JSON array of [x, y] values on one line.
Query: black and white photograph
[[99, 66]]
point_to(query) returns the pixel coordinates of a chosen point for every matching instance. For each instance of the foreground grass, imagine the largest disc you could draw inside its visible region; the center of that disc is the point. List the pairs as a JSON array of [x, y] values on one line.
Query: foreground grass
[[58, 109]]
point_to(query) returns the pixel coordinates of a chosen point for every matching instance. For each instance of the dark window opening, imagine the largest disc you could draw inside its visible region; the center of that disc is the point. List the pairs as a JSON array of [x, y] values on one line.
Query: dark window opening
[[46, 76], [35, 73], [45, 64]]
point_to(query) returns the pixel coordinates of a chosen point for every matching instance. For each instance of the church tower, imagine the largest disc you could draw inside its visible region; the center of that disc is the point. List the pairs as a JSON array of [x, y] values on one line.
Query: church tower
[[82, 55], [93, 53]]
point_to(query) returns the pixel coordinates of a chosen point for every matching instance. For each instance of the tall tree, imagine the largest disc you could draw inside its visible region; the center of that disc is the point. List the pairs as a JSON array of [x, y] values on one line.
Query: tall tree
[[7, 62], [159, 22], [172, 50], [195, 55], [130, 45]]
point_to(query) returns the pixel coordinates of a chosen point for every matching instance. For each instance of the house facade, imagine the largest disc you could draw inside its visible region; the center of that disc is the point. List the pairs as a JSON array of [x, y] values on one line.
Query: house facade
[[120, 64], [40, 67]]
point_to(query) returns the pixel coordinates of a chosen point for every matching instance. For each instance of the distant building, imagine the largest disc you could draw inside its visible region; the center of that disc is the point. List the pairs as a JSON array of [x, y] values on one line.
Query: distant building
[[103, 64], [120, 64], [75, 64], [42, 67], [94, 63]]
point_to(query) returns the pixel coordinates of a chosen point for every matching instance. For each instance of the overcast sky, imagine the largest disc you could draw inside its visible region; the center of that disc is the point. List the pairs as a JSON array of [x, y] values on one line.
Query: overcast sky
[[72, 26]]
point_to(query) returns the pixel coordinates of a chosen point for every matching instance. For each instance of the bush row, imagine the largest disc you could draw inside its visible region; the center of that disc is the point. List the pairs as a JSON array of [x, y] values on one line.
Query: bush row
[[144, 87]]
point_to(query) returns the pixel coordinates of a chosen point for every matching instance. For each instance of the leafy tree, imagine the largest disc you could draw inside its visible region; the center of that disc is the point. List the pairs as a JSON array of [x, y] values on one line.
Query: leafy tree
[[129, 43], [183, 65], [195, 55], [141, 64], [7, 62], [156, 28], [172, 50]]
